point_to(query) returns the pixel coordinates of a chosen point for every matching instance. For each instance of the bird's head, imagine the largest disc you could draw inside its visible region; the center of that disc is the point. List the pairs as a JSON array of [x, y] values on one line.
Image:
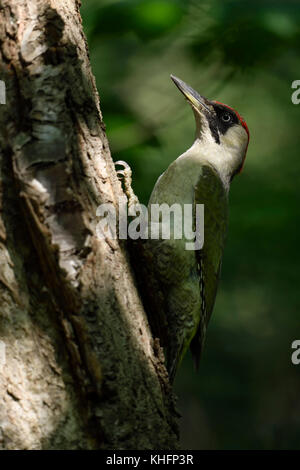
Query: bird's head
[[220, 130]]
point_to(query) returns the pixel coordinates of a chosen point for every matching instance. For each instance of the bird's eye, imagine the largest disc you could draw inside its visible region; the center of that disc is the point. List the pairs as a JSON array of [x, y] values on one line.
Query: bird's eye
[[226, 117]]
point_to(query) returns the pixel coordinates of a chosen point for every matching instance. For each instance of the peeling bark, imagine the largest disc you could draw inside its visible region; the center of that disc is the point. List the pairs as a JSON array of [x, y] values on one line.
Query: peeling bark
[[81, 369]]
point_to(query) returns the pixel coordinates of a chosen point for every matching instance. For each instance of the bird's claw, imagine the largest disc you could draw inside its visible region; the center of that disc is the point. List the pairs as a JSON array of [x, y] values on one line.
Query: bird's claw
[[125, 177], [126, 172]]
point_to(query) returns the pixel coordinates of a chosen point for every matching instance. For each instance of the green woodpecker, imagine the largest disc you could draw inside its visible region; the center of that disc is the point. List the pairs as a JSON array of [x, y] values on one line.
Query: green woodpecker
[[179, 285]]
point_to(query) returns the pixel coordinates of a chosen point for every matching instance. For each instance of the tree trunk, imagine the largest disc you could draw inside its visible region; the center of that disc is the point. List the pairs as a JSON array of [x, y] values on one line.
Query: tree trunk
[[78, 366]]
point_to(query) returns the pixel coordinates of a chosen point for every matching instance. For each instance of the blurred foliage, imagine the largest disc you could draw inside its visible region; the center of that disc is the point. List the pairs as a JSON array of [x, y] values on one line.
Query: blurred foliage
[[249, 34], [246, 54], [147, 19]]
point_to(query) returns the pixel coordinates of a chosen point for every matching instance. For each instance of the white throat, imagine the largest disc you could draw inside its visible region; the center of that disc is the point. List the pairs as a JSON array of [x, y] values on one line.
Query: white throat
[[227, 156]]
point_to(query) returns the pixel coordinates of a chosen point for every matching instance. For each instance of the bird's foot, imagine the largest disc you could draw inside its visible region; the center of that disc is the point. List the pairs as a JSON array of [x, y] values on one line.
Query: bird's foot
[[125, 177]]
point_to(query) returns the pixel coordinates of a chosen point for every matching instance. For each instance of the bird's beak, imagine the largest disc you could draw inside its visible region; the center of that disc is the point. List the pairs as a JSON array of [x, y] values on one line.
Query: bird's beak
[[197, 101]]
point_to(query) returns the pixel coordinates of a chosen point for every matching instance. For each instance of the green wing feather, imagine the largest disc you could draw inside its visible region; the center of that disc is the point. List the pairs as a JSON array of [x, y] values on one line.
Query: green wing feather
[[211, 192], [170, 296]]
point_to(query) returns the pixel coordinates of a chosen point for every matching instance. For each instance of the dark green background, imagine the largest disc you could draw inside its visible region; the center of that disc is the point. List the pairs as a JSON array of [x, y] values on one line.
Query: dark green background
[[246, 54]]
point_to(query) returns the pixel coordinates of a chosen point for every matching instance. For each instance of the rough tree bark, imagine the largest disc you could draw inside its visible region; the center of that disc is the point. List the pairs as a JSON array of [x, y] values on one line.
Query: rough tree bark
[[81, 369]]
